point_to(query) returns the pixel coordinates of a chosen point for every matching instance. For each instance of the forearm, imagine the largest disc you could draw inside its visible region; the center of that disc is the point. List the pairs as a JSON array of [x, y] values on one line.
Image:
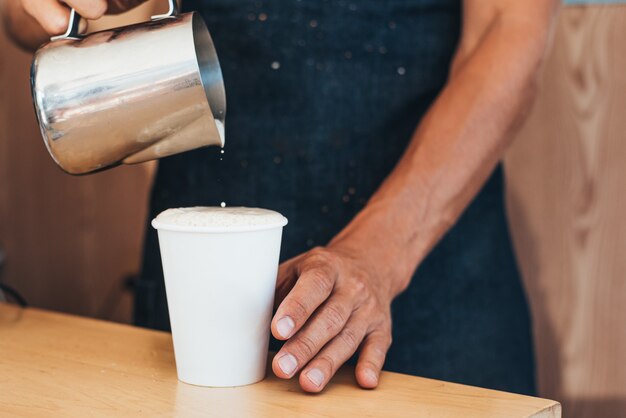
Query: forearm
[[453, 151]]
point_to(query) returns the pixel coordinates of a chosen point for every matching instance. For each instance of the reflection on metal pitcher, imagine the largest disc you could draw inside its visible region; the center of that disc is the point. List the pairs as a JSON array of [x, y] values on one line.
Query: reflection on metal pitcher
[[129, 94]]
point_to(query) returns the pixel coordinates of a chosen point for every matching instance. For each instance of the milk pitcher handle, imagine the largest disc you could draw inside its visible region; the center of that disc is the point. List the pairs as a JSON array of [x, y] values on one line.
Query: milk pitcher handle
[[73, 32]]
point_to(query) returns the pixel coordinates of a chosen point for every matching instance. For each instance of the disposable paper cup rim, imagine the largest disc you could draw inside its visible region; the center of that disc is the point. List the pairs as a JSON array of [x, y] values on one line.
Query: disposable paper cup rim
[[165, 226]]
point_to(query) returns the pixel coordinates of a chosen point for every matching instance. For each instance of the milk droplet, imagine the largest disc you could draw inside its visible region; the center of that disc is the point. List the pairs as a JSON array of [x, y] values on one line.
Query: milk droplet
[[222, 151], [275, 65], [401, 70], [223, 204]]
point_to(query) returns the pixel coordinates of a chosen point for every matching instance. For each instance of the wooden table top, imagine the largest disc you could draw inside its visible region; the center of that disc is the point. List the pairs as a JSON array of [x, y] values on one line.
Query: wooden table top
[[54, 364]]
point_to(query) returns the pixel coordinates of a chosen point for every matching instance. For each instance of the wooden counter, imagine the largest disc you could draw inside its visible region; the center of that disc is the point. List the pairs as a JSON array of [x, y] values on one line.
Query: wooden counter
[[59, 365]]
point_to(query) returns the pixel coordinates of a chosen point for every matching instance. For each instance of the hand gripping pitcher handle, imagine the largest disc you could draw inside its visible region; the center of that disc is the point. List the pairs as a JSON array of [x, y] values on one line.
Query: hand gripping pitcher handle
[[73, 31]]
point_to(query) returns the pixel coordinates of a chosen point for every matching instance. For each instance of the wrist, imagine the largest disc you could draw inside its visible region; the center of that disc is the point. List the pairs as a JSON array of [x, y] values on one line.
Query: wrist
[[374, 240]]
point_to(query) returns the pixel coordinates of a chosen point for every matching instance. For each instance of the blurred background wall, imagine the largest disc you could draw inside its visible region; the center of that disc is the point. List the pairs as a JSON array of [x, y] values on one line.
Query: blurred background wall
[[71, 243], [567, 200]]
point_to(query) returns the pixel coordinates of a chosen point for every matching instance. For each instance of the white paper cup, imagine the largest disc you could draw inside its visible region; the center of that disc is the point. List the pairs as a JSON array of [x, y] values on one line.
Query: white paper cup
[[220, 285]]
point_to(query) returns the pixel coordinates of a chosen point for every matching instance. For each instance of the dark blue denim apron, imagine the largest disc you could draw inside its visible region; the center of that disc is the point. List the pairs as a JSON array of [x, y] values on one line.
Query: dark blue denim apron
[[323, 97]]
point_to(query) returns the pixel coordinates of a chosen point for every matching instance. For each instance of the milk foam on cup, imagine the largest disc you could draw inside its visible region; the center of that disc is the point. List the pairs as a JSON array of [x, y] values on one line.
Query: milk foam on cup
[[220, 218]]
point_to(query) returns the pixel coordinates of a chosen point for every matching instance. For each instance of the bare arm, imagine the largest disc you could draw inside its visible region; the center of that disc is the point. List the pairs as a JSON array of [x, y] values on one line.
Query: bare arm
[[466, 131], [457, 145]]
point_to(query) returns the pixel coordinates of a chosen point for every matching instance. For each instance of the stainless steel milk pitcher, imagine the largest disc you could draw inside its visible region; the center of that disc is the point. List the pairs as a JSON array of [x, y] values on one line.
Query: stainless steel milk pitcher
[[130, 94]]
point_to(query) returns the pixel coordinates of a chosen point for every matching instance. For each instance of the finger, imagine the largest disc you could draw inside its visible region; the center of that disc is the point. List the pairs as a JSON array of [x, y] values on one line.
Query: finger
[[310, 290], [287, 276], [372, 358], [89, 9], [50, 14], [326, 323], [316, 375]]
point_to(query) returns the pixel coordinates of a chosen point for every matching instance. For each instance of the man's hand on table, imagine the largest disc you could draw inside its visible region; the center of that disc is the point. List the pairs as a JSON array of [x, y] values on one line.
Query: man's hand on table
[[333, 301]]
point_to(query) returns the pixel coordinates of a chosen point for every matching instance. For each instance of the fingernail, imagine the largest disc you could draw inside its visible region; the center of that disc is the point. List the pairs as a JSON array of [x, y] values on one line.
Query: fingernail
[[288, 364], [285, 326], [316, 376]]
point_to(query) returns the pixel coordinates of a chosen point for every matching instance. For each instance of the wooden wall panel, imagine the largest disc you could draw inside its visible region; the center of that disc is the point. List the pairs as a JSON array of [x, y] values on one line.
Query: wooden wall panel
[[567, 204], [70, 241]]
